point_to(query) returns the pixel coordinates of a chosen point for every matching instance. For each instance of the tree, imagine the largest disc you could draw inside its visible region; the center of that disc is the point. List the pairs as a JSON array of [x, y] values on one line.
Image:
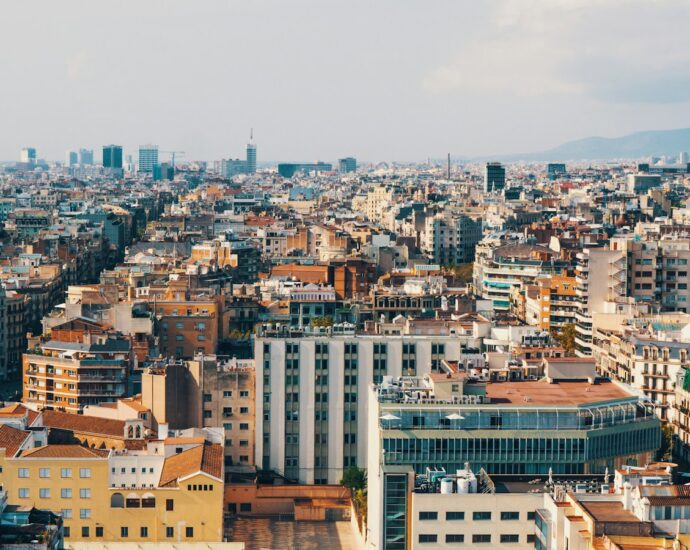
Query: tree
[[464, 272], [566, 338], [326, 321], [354, 478], [666, 449]]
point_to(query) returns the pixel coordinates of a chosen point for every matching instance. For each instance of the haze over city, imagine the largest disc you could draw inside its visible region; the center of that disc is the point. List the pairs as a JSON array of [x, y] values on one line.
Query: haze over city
[[345, 275], [385, 80]]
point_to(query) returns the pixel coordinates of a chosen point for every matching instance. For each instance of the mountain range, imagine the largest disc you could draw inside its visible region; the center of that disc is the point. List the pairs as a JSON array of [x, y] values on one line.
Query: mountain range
[[632, 146]]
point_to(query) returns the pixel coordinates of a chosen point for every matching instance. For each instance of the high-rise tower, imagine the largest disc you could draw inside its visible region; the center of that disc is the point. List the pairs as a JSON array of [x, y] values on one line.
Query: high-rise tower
[[251, 154], [148, 158]]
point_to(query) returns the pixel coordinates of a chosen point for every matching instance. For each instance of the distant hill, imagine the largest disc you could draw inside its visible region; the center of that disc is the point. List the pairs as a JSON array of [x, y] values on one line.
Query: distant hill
[[632, 146]]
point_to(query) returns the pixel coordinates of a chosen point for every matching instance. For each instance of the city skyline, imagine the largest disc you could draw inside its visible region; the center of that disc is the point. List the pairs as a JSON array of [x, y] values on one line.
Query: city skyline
[[474, 81]]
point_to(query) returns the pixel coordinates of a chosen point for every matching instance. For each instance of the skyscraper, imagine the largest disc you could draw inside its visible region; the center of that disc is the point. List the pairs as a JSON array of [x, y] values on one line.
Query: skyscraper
[[112, 157], [251, 154], [494, 177], [86, 157], [347, 164], [71, 158], [28, 155], [148, 158]]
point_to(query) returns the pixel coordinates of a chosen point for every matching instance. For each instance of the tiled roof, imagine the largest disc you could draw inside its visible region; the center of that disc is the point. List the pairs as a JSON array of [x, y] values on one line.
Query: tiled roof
[[206, 458], [17, 409], [84, 424], [11, 439], [212, 461], [64, 451]]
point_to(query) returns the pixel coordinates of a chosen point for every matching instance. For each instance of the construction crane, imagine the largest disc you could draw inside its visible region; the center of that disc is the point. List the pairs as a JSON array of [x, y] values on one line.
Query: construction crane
[[172, 158]]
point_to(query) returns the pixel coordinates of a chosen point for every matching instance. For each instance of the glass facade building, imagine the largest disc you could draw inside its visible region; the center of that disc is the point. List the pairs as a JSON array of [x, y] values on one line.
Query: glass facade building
[[520, 440]]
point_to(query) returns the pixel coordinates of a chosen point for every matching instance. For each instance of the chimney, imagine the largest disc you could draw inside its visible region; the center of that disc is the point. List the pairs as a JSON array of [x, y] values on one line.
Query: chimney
[[163, 430], [627, 496]]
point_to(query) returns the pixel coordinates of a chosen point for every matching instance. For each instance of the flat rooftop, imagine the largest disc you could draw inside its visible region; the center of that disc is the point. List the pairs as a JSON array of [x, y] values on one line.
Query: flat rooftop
[[540, 392], [608, 510]]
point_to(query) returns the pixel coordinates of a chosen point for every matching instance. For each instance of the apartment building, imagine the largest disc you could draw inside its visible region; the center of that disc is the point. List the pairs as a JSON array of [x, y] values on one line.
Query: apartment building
[[169, 491], [450, 238], [189, 322], [648, 355], [601, 278], [498, 269], [207, 392], [82, 365], [551, 302], [229, 402]]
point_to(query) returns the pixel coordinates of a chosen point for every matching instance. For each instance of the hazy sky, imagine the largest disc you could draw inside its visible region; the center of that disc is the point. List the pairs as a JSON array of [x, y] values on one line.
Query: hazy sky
[[321, 79]]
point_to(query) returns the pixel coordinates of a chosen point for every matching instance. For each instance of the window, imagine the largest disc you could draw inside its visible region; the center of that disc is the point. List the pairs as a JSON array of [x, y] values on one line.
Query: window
[[505, 516], [245, 506], [84, 472], [428, 516], [455, 538], [66, 472], [506, 539], [85, 513], [44, 493], [169, 532], [65, 493], [189, 532], [23, 472], [99, 531], [169, 505], [227, 394], [124, 532], [530, 516], [481, 516], [66, 513], [530, 539], [144, 532], [44, 472], [84, 493], [244, 393], [208, 414], [455, 516], [244, 410], [66, 531], [23, 493], [244, 426], [117, 500], [427, 538], [481, 539], [85, 532]]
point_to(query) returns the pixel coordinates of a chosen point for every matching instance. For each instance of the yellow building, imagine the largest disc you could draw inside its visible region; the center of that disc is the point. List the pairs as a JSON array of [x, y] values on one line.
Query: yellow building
[[171, 491]]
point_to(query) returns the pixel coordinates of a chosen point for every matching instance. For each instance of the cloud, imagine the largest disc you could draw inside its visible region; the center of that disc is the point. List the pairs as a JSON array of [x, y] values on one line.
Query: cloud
[[606, 50]]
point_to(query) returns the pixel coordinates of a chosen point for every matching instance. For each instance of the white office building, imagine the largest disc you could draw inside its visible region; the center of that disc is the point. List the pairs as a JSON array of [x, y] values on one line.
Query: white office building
[[311, 405]]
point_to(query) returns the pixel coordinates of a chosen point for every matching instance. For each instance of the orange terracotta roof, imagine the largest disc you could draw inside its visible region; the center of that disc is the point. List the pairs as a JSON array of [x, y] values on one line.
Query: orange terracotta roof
[[84, 424], [135, 404], [206, 458], [563, 393], [184, 440], [17, 409], [11, 439], [64, 451]]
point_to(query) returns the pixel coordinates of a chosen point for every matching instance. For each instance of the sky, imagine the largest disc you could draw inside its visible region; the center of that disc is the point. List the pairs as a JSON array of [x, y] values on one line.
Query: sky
[[380, 80]]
